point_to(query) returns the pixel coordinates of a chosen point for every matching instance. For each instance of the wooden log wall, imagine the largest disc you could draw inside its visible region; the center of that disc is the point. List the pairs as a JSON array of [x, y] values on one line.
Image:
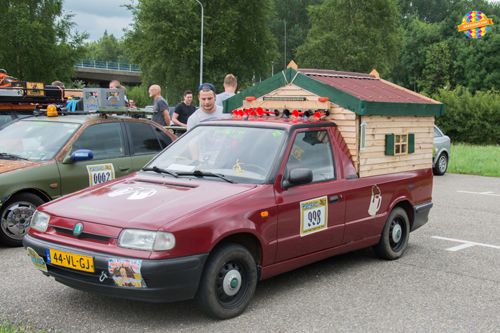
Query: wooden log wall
[[373, 161]]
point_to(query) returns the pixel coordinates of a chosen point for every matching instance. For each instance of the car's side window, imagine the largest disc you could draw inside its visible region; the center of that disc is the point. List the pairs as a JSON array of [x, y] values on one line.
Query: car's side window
[[437, 134], [105, 140], [165, 140], [144, 140], [5, 117], [313, 150]]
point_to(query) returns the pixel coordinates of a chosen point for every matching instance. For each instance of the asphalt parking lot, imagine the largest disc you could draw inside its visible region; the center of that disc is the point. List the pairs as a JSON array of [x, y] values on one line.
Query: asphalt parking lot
[[447, 281]]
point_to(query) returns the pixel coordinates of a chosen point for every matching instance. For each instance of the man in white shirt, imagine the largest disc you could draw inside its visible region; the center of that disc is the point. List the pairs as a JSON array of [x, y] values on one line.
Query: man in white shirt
[[230, 84], [208, 110]]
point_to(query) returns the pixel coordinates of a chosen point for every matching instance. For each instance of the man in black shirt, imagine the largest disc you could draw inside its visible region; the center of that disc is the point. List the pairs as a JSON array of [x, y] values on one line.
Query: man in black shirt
[[183, 110]]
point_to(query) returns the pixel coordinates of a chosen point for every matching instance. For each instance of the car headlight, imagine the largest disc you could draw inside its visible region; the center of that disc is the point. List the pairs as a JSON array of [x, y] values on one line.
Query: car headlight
[[146, 240], [40, 221]]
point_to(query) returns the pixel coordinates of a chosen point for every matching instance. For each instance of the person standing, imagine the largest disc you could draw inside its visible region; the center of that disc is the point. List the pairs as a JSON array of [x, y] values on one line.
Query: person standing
[[132, 103], [115, 84], [183, 111], [208, 110], [230, 85], [160, 108]]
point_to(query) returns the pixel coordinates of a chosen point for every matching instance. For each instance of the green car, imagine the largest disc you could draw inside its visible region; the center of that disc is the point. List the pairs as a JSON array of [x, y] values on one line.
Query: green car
[[43, 158]]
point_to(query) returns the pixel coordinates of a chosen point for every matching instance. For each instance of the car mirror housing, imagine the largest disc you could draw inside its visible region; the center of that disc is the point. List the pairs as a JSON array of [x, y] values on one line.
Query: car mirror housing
[[79, 155], [299, 176]]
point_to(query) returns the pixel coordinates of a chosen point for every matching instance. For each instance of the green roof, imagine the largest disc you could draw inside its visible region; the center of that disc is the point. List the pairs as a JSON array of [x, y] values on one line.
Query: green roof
[[335, 95]]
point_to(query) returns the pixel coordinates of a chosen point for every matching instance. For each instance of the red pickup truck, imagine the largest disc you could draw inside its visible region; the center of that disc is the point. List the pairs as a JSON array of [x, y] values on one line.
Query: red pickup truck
[[228, 204]]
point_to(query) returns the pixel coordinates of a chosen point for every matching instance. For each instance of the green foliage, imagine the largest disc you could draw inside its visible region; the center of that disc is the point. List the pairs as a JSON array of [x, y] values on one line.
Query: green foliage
[[37, 43], [294, 13], [475, 160], [430, 30], [106, 48], [469, 118], [436, 73], [141, 95], [352, 35], [165, 41]]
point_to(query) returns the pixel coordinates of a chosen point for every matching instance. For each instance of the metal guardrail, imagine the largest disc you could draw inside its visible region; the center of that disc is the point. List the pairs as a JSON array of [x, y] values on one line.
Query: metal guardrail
[[108, 65]]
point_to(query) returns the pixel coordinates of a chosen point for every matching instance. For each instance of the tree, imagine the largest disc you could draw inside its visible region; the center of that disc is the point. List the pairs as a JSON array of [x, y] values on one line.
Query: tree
[[165, 41], [436, 73], [294, 13], [37, 43], [107, 48], [352, 35]]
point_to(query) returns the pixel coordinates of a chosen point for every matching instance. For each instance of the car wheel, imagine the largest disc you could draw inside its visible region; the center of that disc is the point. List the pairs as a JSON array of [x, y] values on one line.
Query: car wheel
[[395, 236], [15, 217], [228, 282], [441, 165]]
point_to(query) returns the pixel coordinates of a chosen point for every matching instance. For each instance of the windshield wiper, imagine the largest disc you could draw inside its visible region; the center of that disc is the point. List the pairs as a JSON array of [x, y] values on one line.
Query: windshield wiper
[[13, 155], [199, 173], [160, 170]]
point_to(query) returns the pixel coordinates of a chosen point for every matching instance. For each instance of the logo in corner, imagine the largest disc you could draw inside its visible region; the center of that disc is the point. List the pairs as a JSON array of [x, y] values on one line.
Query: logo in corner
[[475, 24], [78, 229]]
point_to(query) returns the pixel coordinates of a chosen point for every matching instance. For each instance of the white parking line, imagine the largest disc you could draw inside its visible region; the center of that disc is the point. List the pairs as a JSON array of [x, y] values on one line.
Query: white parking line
[[465, 244], [483, 193]]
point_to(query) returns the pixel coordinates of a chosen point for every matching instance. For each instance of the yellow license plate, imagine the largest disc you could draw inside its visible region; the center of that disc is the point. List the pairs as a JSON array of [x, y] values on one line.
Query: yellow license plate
[[70, 260]]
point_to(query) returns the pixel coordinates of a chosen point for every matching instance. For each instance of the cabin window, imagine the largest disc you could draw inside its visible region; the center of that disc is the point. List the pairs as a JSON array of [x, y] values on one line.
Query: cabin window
[[362, 144], [399, 144]]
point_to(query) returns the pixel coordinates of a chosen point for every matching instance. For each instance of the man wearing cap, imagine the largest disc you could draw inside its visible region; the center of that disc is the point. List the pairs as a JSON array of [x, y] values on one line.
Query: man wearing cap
[[160, 108], [208, 110]]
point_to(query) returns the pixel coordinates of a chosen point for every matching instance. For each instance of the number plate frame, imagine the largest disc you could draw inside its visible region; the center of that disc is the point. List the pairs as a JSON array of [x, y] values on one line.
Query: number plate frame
[[311, 206], [100, 173], [70, 260]]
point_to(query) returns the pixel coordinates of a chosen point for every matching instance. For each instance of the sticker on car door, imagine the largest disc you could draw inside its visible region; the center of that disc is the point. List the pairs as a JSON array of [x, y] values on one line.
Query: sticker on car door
[[313, 216], [100, 173]]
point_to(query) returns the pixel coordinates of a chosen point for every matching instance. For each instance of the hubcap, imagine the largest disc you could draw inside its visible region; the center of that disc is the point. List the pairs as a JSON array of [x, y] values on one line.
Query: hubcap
[[232, 282], [16, 219], [396, 233], [442, 164]]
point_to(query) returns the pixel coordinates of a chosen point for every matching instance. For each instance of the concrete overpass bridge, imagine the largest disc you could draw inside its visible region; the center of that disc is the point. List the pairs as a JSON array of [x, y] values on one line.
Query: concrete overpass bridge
[[101, 72]]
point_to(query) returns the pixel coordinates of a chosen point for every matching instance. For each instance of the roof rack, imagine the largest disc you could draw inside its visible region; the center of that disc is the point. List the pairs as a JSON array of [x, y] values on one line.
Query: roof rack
[[31, 92]]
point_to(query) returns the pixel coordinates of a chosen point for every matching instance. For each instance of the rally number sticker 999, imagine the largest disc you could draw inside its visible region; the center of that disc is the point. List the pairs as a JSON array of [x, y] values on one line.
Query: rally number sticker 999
[[100, 173], [313, 216]]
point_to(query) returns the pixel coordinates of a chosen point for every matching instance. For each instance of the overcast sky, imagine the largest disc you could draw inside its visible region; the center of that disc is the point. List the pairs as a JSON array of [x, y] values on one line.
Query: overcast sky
[[96, 16]]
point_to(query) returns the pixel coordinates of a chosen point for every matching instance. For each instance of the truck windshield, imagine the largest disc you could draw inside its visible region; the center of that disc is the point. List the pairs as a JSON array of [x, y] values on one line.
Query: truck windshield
[[241, 154], [34, 140]]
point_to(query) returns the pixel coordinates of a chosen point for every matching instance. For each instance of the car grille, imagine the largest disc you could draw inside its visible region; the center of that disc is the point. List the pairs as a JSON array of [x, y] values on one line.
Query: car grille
[[84, 235]]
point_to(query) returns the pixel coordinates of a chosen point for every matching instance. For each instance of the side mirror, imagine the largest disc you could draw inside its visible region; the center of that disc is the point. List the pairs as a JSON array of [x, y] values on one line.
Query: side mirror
[[299, 176], [79, 155]]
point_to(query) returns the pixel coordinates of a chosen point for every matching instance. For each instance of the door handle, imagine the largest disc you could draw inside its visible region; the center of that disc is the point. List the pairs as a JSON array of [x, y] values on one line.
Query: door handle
[[124, 168], [334, 199]]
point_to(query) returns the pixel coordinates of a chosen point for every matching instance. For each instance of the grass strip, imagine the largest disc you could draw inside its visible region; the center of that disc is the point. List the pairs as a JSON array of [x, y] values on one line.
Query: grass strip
[[475, 160]]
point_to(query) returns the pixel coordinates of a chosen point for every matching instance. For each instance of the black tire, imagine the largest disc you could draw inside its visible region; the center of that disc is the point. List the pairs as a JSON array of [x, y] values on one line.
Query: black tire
[[441, 165], [233, 264], [15, 218], [395, 236]]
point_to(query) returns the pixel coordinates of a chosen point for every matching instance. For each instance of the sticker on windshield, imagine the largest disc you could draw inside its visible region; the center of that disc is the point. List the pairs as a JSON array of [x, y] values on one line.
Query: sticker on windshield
[[228, 131], [126, 273], [100, 173], [297, 152], [313, 216]]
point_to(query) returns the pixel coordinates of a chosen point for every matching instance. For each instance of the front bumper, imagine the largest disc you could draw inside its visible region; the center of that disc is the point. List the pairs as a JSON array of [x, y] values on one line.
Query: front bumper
[[167, 280], [421, 215]]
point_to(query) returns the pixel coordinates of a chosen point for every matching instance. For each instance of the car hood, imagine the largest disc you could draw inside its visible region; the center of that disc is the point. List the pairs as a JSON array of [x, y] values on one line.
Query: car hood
[[143, 202], [13, 165]]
